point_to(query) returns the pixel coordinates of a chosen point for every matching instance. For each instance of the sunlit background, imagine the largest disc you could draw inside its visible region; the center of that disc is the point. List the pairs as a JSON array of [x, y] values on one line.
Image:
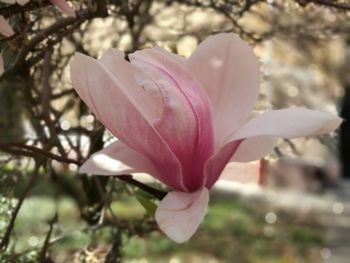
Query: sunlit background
[[300, 214]]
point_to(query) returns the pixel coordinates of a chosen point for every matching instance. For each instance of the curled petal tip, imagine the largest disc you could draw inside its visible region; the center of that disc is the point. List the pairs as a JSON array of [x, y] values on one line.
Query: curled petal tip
[[332, 125], [179, 213]]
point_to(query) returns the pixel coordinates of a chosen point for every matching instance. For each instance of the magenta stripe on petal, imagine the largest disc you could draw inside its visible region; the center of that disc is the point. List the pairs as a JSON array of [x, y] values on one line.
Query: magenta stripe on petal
[[216, 164], [186, 123]]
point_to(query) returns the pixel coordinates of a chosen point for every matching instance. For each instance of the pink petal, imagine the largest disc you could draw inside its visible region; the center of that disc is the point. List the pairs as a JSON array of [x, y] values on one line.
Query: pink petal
[[64, 7], [171, 55], [229, 71], [186, 120], [108, 96], [179, 214], [262, 130], [288, 123], [5, 28], [243, 173], [216, 164], [248, 150], [118, 159], [293, 122], [150, 102]]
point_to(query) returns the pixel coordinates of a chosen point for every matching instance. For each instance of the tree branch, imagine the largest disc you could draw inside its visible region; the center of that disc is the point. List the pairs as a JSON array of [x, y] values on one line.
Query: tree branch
[[155, 192], [6, 238]]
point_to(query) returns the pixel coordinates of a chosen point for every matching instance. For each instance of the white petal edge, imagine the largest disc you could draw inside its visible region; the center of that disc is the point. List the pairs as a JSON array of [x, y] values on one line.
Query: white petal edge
[[179, 213], [117, 159]]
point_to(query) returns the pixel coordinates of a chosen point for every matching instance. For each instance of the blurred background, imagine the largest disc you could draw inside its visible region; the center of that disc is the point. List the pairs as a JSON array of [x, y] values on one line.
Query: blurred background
[[49, 213]]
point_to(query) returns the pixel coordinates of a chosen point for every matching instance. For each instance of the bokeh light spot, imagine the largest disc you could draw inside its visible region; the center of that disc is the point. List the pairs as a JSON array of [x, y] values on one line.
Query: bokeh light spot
[[271, 218]]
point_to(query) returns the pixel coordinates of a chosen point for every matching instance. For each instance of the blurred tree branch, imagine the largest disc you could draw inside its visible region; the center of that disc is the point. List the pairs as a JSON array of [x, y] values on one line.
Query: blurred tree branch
[[6, 238], [329, 3], [36, 60]]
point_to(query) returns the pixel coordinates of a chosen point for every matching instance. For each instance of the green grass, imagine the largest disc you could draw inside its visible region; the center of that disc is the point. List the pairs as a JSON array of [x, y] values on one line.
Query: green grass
[[232, 231], [236, 232]]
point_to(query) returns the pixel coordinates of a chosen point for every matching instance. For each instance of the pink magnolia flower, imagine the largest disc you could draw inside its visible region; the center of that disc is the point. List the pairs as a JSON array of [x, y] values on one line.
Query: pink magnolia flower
[[182, 120]]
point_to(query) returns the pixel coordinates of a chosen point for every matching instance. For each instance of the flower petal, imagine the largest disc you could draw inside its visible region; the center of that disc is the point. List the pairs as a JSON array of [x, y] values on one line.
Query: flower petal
[[150, 102], [179, 214], [216, 164], [185, 123], [178, 58], [258, 134], [64, 7], [108, 97], [229, 71], [243, 173], [288, 123], [5, 28], [117, 159], [254, 148]]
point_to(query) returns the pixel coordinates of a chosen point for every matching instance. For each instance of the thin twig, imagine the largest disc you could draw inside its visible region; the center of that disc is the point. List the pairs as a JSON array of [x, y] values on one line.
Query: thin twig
[[6, 238], [47, 242], [155, 192], [23, 148]]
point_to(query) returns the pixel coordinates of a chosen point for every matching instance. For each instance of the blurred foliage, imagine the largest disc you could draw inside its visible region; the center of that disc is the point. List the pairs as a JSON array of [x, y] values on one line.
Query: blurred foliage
[[232, 230], [46, 130]]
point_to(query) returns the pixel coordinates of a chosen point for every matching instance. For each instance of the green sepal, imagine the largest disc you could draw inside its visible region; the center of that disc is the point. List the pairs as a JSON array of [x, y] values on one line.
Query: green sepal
[[148, 205]]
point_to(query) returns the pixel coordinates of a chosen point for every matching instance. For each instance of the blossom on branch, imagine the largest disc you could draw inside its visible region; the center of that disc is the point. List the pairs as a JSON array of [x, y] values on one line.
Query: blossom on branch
[[183, 120]]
